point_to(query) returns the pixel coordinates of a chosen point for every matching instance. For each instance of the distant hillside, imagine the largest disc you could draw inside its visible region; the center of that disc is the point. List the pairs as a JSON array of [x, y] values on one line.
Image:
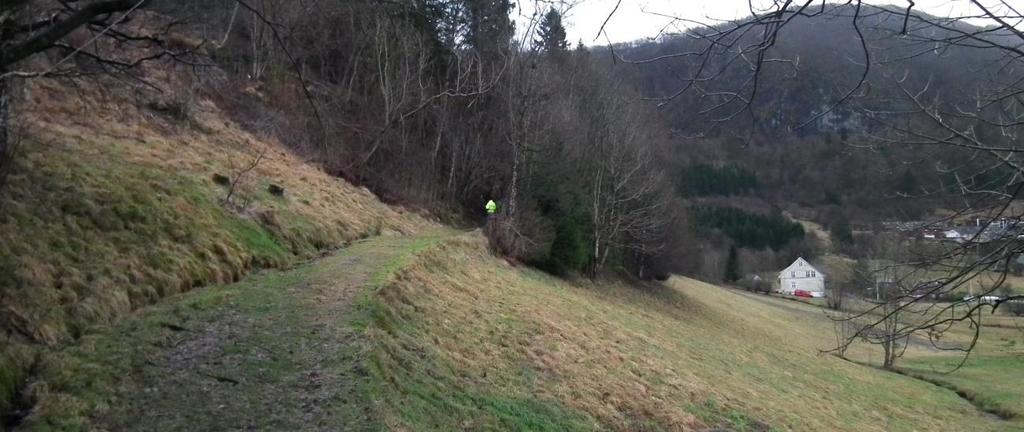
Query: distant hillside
[[817, 61]]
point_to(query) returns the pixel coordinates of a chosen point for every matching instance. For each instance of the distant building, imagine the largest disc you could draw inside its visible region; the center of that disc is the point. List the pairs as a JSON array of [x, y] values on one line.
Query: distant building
[[997, 230], [904, 226], [801, 275]]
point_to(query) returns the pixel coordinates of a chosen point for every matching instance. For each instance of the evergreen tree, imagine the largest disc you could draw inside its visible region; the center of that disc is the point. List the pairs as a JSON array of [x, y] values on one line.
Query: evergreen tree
[[863, 279], [732, 266], [551, 33], [908, 183], [570, 249], [749, 230], [490, 28], [841, 232], [708, 180]]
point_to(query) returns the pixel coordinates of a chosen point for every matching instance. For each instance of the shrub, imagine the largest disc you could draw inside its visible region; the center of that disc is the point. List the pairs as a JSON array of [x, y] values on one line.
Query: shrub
[[180, 107], [755, 283], [504, 239], [570, 250]]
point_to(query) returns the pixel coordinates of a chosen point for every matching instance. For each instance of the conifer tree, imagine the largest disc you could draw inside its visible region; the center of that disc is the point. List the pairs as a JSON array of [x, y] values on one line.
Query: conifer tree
[[551, 33], [732, 266]]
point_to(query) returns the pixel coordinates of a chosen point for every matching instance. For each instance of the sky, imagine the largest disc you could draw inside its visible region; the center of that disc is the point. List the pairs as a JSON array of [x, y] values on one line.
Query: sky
[[639, 19]]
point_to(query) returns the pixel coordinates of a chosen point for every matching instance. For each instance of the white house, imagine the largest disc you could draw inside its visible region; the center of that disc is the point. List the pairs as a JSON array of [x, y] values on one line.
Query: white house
[[801, 275], [953, 234]]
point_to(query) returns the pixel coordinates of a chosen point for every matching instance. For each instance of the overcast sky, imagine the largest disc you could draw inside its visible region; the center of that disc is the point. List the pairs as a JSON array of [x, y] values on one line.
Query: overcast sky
[[638, 19]]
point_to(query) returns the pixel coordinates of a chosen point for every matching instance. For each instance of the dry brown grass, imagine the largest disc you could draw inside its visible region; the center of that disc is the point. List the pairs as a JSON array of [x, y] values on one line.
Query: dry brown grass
[[818, 232], [112, 206], [626, 358]]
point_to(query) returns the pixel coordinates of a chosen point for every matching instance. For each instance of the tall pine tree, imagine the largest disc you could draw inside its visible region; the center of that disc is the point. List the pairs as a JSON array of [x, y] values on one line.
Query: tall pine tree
[[551, 33], [490, 29], [732, 266]]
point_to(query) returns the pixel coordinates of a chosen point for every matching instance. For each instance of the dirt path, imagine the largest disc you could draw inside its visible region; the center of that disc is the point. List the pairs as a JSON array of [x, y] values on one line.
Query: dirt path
[[281, 351]]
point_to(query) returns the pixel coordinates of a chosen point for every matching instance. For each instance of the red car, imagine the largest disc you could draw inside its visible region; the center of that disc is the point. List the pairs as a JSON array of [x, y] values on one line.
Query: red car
[[802, 293]]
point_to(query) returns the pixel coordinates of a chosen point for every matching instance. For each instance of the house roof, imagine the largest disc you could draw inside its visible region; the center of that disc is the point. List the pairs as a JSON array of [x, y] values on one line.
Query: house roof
[[801, 264]]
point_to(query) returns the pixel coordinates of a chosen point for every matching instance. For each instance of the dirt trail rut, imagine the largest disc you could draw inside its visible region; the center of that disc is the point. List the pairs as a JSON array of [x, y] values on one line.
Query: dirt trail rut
[[280, 352]]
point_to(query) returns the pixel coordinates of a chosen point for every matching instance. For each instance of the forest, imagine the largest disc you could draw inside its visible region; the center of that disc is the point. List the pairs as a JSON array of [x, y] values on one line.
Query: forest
[[441, 105]]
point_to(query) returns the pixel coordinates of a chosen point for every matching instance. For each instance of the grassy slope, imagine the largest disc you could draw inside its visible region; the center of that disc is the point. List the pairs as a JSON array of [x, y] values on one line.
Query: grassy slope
[[111, 207], [994, 382], [464, 341], [279, 343]]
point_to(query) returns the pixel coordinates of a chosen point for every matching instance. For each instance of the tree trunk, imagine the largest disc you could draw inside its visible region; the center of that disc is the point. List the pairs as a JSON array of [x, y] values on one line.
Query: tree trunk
[[5, 120], [513, 189], [887, 346]]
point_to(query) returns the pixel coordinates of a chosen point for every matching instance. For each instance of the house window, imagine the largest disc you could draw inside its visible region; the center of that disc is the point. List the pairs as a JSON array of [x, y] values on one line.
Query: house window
[[792, 284], [792, 274], [807, 274], [814, 274]]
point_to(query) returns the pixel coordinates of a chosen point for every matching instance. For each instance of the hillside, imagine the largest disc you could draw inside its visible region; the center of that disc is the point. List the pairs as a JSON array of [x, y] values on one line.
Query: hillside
[[817, 60], [443, 336], [683, 357], [113, 205], [206, 224]]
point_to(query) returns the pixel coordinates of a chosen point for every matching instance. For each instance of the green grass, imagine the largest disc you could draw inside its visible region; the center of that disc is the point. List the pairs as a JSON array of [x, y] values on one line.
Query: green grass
[[109, 209], [268, 334], [442, 336], [90, 230], [99, 238], [710, 412], [424, 390], [92, 378], [458, 327], [995, 383]]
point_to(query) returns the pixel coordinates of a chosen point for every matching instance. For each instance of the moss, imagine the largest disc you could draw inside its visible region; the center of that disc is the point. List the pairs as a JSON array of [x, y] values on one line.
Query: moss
[[257, 241], [16, 360]]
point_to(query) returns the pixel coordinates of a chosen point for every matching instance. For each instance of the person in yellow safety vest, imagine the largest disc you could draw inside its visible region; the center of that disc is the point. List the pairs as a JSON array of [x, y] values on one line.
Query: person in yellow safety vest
[[491, 207]]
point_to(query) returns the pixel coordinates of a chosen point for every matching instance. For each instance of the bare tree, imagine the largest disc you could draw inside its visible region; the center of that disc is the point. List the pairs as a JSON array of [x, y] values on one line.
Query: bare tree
[[844, 330], [835, 293], [626, 203], [34, 27], [240, 179]]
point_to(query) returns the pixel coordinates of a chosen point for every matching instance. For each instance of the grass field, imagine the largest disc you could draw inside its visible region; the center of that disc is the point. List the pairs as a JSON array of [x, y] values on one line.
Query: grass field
[[115, 210], [111, 207], [434, 333], [279, 344], [465, 341], [993, 382]]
